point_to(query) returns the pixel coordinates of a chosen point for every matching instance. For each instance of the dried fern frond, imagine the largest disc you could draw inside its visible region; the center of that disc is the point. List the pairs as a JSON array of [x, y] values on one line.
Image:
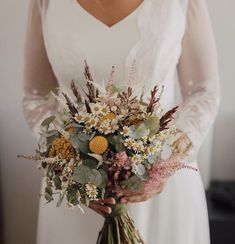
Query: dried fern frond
[[166, 118], [154, 99], [75, 91], [72, 109]]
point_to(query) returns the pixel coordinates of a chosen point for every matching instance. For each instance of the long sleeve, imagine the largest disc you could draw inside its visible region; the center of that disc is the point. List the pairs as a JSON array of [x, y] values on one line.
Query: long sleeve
[[198, 76], [38, 78]]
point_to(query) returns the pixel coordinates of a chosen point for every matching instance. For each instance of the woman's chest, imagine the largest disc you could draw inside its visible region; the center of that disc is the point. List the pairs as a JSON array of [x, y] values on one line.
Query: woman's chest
[[151, 36]]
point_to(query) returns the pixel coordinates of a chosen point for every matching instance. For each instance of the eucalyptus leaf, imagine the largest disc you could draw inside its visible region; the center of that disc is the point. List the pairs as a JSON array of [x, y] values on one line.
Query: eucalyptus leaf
[[84, 146], [138, 131], [152, 158], [111, 139], [140, 169], [83, 137], [81, 174], [134, 183], [115, 89], [74, 140], [144, 176], [119, 147], [104, 176], [48, 194], [166, 152], [152, 124], [72, 196], [57, 182], [50, 133], [95, 177], [49, 171], [91, 163], [48, 121]]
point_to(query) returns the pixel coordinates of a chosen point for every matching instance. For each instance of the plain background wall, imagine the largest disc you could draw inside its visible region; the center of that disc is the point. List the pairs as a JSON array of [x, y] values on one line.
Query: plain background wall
[[20, 180]]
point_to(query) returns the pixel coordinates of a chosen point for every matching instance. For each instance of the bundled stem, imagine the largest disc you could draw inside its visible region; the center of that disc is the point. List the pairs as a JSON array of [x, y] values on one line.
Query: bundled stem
[[119, 228]]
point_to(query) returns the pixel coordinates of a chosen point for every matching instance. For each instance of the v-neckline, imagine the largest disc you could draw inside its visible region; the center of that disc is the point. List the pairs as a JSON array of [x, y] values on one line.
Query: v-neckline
[[134, 11]]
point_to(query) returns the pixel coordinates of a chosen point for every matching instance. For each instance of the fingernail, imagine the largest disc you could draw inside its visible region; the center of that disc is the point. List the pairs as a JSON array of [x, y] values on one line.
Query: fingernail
[[109, 210]]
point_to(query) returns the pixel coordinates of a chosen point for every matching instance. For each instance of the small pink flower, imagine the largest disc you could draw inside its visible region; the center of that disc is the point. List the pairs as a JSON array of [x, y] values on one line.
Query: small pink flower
[[122, 159]]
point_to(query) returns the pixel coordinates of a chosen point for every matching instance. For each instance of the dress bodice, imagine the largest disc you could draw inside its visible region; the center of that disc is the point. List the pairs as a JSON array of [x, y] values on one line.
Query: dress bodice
[[137, 38], [103, 46]]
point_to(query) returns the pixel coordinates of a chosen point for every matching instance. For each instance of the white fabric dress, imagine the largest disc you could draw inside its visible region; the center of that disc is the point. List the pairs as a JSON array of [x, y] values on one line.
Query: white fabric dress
[[173, 45]]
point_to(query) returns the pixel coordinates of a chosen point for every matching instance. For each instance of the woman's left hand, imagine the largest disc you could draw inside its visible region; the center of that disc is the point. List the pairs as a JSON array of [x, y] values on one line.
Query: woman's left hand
[[127, 196]]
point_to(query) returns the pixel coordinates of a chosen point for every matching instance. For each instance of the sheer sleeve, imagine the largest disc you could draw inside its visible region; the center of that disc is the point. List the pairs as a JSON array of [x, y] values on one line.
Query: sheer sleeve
[[198, 76], [38, 79]]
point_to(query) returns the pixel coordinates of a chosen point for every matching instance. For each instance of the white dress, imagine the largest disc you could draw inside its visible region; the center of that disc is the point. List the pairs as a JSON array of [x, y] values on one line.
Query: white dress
[[167, 39]]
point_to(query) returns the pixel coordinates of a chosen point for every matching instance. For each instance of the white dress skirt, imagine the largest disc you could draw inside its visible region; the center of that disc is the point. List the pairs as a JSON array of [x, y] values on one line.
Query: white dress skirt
[[164, 42]]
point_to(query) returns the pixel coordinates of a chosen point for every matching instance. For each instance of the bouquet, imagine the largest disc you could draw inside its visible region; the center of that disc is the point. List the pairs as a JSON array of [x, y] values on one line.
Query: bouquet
[[104, 141]]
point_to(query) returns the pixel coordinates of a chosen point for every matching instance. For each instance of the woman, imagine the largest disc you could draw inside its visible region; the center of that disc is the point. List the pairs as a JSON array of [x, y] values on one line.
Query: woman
[[166, 39]]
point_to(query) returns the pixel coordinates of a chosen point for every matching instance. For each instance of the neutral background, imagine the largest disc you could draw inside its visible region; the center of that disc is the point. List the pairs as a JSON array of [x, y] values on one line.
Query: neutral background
[[20, 180]]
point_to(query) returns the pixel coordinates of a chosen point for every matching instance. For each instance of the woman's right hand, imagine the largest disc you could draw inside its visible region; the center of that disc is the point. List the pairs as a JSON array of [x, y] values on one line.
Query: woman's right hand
[[101, 206]]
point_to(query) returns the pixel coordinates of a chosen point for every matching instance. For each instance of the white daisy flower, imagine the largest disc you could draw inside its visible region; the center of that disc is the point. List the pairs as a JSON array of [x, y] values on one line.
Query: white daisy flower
[[104, 109], [138, 146], [137, 158], [87, 130], [114, 127], [79, 117], [92, 121], [105, 127], [96, 108], [125, 131], [91, 191], [87, 117], [151, 149], [128, 142]]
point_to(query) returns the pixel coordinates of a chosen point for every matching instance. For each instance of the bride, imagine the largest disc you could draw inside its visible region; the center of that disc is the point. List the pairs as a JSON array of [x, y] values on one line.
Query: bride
[[171, 43]]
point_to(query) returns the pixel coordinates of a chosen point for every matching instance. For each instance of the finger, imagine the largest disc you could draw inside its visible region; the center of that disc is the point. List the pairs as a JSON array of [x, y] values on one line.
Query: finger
[[107, 200], [97, 210], [103, 208]]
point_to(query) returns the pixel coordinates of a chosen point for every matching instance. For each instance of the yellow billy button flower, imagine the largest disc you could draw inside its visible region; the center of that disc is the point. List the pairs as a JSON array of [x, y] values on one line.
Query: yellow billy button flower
[[63, 147], [98, 144]]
